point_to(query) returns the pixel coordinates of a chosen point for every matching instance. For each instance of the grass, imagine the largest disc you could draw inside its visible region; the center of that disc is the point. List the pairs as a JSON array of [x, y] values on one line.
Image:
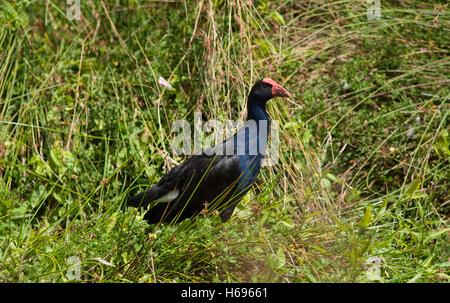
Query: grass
[[360, 192]]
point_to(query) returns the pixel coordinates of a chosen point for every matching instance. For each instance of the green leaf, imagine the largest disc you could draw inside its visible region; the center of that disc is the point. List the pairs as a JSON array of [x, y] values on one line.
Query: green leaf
[[39, 166], [436, 234], [417, 276], [383, 207], [444, 264], [306, 136], [412, 187], [419, 196], [326, 184], [287, 222], [278, 18], [281, 258], [333, 178], [291, 124], [365, 221], [337, 222]]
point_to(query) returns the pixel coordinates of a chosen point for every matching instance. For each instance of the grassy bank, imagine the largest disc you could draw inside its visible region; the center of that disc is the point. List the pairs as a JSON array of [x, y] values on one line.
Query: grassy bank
[[361, 189]]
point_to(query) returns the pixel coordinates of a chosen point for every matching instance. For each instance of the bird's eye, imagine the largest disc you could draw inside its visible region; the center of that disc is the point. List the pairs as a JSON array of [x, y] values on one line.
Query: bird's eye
[[266, 85]]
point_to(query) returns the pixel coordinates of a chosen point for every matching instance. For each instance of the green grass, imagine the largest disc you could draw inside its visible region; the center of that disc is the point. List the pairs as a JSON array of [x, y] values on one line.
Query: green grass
[[364, 157]]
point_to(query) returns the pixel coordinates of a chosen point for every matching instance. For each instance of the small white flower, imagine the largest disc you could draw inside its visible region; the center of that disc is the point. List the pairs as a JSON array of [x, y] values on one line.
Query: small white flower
[[164, 83]]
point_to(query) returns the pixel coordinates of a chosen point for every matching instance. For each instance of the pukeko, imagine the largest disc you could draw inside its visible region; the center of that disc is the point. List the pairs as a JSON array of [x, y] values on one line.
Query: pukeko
[[216, 178]]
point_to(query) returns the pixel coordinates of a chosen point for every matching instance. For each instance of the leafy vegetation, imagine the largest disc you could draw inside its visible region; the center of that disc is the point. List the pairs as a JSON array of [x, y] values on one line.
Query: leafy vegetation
[[361, 189]]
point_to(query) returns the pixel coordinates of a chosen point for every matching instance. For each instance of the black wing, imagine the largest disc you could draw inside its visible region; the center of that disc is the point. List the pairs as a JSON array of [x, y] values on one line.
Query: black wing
[[201, 181]]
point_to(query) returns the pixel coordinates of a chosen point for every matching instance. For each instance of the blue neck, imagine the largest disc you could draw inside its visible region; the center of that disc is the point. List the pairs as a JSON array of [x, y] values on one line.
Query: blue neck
[[256, 110], [249, 164]]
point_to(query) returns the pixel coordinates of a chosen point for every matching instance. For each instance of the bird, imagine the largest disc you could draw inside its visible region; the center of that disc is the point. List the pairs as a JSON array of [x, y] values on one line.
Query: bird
[[216, 178]]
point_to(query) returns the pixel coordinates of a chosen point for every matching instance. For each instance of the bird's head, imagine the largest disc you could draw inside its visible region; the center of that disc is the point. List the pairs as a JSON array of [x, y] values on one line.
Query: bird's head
[[266, 89]]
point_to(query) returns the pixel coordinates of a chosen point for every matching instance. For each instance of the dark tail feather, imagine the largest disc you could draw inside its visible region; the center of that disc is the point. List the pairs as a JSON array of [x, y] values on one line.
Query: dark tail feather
[[155, 214], [144, 198]]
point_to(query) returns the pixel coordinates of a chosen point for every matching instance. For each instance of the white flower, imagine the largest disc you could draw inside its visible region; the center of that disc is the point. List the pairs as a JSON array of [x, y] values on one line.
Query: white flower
[[164, 83]]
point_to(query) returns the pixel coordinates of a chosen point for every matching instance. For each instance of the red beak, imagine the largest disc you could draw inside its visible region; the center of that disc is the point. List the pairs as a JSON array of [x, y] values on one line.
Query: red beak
[[277, 90]]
